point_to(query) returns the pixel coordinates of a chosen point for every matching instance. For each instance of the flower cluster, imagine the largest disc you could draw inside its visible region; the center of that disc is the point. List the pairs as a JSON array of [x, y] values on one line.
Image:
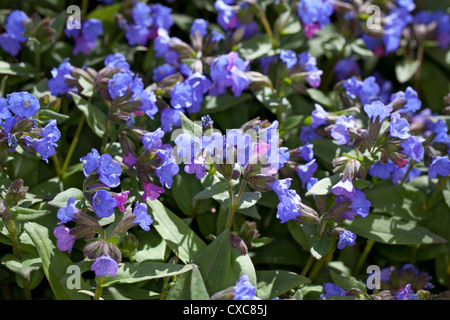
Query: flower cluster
[[11, 40], [85, 37]]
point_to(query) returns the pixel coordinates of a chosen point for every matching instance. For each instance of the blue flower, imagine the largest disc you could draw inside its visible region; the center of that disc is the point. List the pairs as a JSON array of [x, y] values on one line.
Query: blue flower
[[167, 169], [244, 289], [199, 86], [307, 134], [440, 128], [200, 26], [412, 102], [227, 15], [399, 174], [206, 121], [10, 41], [308, 64], [289, 57], [346, 68], [332, 289], [163, 71], [23, 104], [90, 162], [65, 240], [45, 145], [103, 203], [287, 209], [119, 84], [439, 166], [109, 171], [162, 16], [306, 171], [306, 152], [413, 148], [377, 111], [169, 118], [57, 84], [152, 140], [339, 131], [228, 71], [382, 170], [142, 217], [315, 12], [399, 127], [65, 214], [117, 60], [141, 14], [318, 116], [104, 265], [346, 238], [91, 29], [181, 96], [406, 293], [344, 188]]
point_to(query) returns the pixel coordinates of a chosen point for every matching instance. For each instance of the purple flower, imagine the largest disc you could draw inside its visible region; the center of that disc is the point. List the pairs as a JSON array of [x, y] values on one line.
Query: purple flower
[[377, 111], [119, 84], [439, 166], [104, 265], [10, 41], [206, 121], [227, 15], [170, 117], [167, 169], [308, 64], [9, 44], [199, 86], [228, 71], [346, 238], [339, 132], [142, 217], [163, 71], [315, 12], [87, 39], [45, 145], [306, 171], [344, 188], [399, 174], [162, 16], [152, 140], [346, 68], [196, 166], [352, 87], [200, 26], [318, 116], [307, 134], [289, 57], [117, 60], [244, 289], [23, 104], [399, 127], [440, 128], [65, 214], [332, 289], [406, 293], [181, 96], [121, 199], [91, 29], [151, 191], [413, 104], [413, 148], [109, 171], [306, 152], [382, 170], [141, 14], [137, 34], [103, 203], [65, 240], [90, 162], [57, 84], [287, 209]]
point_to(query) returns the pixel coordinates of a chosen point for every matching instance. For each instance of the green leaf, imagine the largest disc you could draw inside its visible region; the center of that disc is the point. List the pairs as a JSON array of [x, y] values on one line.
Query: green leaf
[[249, 199], [273, 283], [47, 114], [323, 186], [319, 97], [96, 119], [392, 230], [23, 268], [222, 102], [26, 214], [54, 262], [22, 69], [254, 47], [405, 70], [221, 265], [106, 13], [209, 192], [194, 128], [177, 235], [61, 199], [189, 286], [185, 197], [347, 282], [148, 270], [319, 247], [151, 247]]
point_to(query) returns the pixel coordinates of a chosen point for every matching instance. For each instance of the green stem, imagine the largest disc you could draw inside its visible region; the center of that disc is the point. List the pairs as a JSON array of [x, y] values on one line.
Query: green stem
[[37, 59], [56, 163], [265, 23], [18, 253], [105, 137], [72, 145], [84, 7], [307, 266], [98, 290], [436, 193], [411, 165], [363, 257], [234, 206]]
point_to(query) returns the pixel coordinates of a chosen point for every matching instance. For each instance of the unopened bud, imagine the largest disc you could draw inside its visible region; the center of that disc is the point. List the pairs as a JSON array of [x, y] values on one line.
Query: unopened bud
[[261, 182], [352, 170], [308, 214], [238, 243], [226, 294], [128, 246], [16, 192]]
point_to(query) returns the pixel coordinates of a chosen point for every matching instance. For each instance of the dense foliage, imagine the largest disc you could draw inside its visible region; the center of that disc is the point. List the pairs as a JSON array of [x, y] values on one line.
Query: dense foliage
[[225, 149]]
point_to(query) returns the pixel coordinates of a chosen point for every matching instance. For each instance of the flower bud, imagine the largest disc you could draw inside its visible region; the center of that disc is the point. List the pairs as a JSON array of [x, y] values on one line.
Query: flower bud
[[128, 246], [92, 250], [238, 243], [85, 232], [261, 182], [353, 170], [226, 294], [248, 233], [5, 213], [16, 192], [309, 215]]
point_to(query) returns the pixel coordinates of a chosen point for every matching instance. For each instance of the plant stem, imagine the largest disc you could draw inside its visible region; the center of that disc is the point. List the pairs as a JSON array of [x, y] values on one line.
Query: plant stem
[[307, 265], [56, 163], [72, 145], [436, 193], [98, 290], [18, 253], [265, 23], [363, 257], [84, 7], [105, 137], [411, 165], [234, 206], [420, 52]]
